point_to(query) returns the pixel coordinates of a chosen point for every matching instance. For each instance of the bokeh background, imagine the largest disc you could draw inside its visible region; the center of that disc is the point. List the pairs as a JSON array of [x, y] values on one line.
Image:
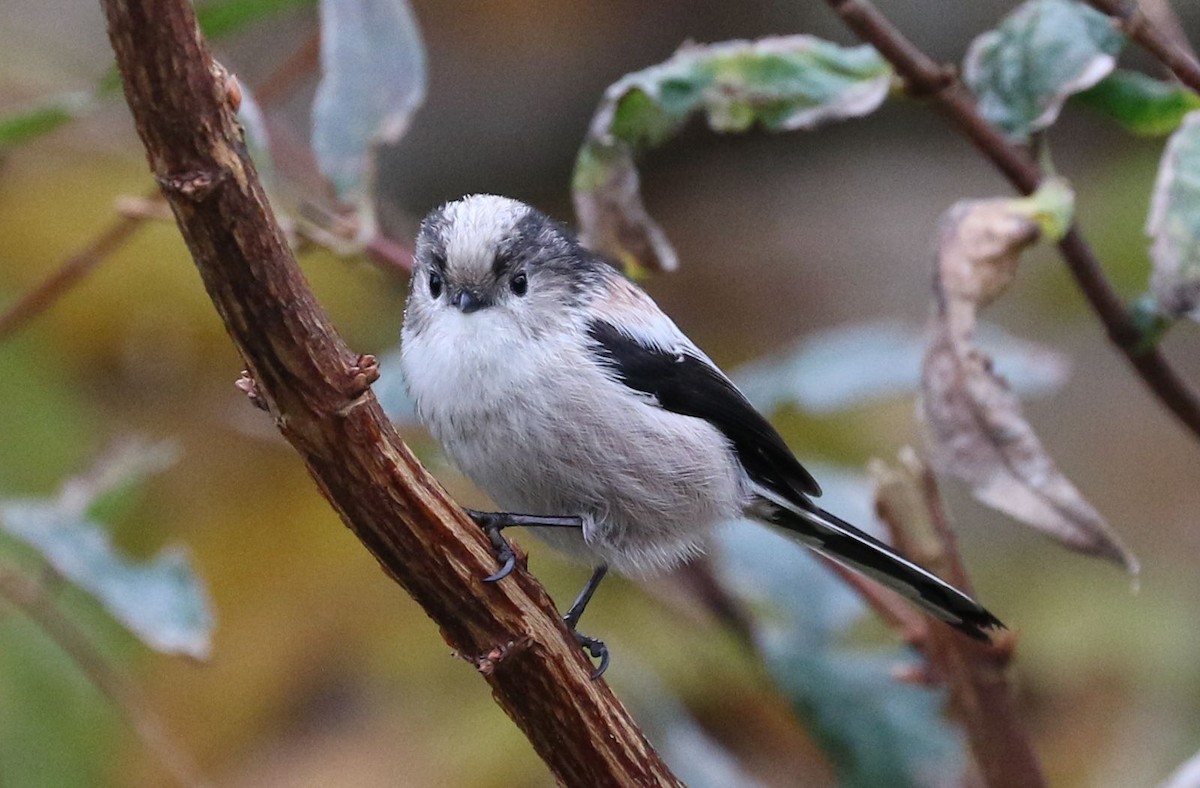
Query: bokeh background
[[323, 671]]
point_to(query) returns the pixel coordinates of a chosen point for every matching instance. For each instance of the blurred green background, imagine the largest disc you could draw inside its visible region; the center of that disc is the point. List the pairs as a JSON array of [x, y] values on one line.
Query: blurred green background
[[323, 671]]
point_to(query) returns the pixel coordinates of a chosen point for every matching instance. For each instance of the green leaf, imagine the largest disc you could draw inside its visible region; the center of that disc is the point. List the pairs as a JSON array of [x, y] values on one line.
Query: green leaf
[[160, 600], [1042, 53], [1142, 104], [779, 84], [875, 729], [1174, 224], [26, 125], [372, 81]]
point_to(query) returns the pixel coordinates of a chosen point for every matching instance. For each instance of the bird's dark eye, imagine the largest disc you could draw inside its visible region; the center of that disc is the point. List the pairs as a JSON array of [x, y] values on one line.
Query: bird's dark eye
[[519, 284], [435, 284]]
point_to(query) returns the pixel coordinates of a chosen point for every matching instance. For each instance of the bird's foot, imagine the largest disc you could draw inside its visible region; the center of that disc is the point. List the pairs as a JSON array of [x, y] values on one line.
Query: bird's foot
[[494, 522], [491, 523], [595, 649]]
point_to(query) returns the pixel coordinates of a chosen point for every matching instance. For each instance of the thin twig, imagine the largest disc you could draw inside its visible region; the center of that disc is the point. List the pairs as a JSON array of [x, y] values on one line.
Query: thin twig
[[1137, 25], [318, 392], [30, 597], [70, 273], [926, 78], [284, 78], [908, 502], [899, 614]]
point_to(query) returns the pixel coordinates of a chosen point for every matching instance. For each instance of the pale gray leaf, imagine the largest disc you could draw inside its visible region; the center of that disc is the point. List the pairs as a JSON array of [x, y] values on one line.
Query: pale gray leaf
[[862, 364], [372, 81], [1186, 776], [1174, 223], [161, 600]]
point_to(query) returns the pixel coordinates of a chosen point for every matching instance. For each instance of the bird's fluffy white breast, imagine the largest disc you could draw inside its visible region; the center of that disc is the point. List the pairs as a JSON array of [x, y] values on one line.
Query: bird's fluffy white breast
[[544, 429]]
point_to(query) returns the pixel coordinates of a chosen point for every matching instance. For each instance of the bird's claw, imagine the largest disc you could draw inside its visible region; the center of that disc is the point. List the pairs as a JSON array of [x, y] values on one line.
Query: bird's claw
[[504, 551], [505, 554], [596, 649]]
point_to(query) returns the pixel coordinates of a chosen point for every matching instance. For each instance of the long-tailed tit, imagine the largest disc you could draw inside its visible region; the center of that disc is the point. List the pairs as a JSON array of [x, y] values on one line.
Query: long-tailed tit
[[563, 391]]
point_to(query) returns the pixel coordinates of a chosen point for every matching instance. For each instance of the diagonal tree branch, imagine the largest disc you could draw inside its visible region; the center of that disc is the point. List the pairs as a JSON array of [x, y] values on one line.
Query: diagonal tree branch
[[1136, 23], [940, 84], [318, 392]]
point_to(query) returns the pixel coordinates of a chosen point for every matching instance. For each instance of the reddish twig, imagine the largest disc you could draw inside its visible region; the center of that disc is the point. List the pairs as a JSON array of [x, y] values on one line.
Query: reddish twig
[[926, 78], [899, 614], [299, 65], [30, 598], [70, 273], [907, 500], [318, 392], [1135, 23]]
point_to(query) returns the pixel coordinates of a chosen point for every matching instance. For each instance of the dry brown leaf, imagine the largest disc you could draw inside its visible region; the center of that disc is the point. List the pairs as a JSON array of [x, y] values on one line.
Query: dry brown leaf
[[975, 428]]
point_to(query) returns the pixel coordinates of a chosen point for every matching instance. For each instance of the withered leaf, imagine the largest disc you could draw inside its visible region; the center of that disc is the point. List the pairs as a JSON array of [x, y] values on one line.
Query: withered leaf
[[975, 429]]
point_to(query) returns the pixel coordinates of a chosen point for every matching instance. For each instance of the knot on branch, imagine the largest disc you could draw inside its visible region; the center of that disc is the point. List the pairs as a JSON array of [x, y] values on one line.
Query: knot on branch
[[196, 185], [932, 82], [362, 373], [487, 663], [249, 386]]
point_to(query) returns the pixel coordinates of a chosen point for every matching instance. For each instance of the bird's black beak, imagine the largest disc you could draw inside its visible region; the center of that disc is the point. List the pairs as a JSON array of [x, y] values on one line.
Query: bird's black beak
[[467, 301]]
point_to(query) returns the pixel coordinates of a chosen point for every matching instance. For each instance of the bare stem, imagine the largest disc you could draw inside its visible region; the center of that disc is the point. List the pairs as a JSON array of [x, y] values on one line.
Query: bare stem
[[69, 273], [1173, 52], [926, 78], [30, 597], [907, 500], [318, 392]]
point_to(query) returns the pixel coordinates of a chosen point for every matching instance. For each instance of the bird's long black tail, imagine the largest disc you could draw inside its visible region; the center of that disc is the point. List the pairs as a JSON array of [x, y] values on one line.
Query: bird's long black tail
[[837, 539]]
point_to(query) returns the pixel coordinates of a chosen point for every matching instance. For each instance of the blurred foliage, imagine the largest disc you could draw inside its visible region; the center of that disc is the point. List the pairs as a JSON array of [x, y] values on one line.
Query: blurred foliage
[[1174, 224], [1042, 53], [161, 601], [858, 365], [780, 84], [372, 81], [1141, 104], [876, 730], [309, 687]]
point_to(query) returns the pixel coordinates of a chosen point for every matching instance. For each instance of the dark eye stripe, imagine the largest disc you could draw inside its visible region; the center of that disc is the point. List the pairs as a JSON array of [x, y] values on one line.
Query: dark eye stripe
[[501, 263]]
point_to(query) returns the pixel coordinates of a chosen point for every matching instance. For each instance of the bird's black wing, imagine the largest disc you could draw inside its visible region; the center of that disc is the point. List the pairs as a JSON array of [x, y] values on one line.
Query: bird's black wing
[[687, 384]]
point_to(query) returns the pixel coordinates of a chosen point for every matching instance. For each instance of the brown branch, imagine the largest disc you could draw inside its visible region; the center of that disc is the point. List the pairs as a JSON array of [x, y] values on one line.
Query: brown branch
[[30, 598], [318, 392], [907, 500], [1136, 24], [926, 78]]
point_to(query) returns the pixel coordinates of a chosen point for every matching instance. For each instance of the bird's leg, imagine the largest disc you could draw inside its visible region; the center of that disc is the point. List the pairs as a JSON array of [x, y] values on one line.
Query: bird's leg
[[493, 522], [595, 648]]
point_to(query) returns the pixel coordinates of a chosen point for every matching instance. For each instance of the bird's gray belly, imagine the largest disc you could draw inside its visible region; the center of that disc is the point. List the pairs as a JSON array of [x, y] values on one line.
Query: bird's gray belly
[[649, 484]]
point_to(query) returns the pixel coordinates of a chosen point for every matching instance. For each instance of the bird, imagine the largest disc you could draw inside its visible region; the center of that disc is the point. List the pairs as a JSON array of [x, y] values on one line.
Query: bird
[[560, 388]]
